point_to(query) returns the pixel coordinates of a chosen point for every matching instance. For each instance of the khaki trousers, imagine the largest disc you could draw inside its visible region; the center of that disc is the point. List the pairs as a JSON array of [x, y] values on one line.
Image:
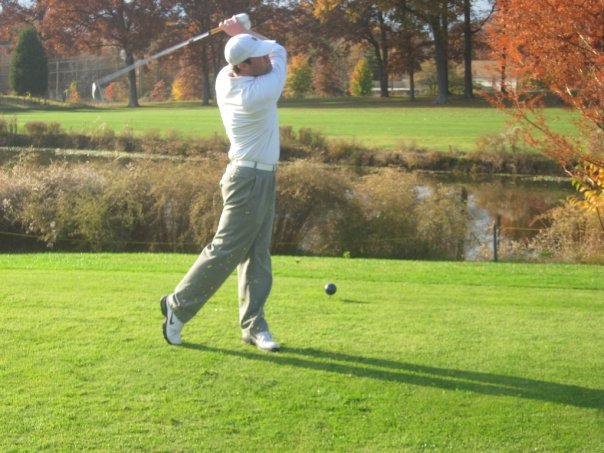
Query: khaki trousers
[[242, 241]]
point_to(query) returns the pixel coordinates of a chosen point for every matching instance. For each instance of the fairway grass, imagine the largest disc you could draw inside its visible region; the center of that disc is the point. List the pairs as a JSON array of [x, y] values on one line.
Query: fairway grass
[[373, 122], [405, 357]]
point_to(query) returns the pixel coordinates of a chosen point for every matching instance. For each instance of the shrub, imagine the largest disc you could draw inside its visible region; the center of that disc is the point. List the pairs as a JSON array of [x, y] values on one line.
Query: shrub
[[183, 212], [73, 97], [116, 92], [442, 224], [161, 91], [316, 212], [574, 235], [109, 206], [388, 199], [312, 139]]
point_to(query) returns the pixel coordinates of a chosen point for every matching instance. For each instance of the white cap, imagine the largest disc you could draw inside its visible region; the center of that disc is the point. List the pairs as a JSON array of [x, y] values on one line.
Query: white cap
[[241, 47]]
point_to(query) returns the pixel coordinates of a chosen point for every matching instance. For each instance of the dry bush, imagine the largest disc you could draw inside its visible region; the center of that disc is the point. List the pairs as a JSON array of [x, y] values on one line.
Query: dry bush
[[406, 219], [574, 235], [442, 222], [53, 195], [186, 204], [316, 211], [109, 206], [388, 199], [14, 189]]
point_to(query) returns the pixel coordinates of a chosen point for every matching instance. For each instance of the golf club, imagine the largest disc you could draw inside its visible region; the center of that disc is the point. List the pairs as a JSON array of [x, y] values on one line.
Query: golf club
[[97, 91]]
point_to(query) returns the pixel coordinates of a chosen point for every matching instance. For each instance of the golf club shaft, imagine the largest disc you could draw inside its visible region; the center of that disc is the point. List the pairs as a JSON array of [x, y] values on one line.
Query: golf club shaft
[[164, 52]]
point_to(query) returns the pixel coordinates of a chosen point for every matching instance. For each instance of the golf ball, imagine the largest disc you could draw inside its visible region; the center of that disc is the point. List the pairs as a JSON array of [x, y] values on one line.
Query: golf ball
[[330, 289]]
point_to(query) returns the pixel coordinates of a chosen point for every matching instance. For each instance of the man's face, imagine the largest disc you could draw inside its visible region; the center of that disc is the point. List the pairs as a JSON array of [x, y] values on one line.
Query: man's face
[[257, 66]]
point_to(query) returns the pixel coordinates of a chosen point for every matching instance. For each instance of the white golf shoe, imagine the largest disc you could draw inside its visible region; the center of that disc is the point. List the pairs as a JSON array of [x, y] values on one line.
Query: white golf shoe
[[172, 326], [262, 340]]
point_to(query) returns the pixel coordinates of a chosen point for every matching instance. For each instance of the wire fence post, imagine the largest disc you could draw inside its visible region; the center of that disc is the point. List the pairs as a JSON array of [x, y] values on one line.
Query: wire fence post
[[496, 231]]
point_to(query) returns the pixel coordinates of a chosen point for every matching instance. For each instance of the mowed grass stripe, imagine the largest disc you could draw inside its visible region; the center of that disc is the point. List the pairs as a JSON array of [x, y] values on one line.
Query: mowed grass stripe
[[401, 358], [386, 124]]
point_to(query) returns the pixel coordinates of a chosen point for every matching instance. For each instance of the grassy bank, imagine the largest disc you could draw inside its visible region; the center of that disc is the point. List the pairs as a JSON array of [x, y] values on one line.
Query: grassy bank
[[383, 123], [407, 356]]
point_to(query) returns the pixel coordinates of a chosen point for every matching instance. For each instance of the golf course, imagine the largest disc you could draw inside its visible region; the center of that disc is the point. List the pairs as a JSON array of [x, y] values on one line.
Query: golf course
[[406, 356]]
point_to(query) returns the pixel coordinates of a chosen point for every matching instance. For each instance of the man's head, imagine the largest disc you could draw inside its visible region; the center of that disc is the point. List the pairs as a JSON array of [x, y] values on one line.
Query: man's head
[[249, 55]]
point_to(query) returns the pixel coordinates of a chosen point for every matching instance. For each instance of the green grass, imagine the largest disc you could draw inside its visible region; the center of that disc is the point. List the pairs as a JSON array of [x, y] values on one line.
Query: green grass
[[382, 123], [407, 356]]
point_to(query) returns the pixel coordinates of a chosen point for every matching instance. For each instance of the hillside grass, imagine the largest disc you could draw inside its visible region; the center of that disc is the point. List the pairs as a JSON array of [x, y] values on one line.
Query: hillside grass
[[406, 357], [374, 122]]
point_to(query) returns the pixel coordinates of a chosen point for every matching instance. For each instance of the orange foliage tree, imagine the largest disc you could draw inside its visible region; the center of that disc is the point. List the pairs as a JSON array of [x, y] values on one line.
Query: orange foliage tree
[[91, 25], [557, 46]]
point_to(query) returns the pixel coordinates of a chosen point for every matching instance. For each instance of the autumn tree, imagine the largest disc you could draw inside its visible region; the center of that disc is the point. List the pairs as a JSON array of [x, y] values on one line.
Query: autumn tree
[[16, 15], [299, 77], [187, 84], [411, 49], [330, 76], [558, 44], [194, 17], [361, 81], [92, 25], [438, 16], [362, 21]]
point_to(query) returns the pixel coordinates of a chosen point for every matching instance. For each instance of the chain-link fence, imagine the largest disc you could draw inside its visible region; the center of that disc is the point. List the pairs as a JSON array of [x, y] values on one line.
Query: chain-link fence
[[62, 72]]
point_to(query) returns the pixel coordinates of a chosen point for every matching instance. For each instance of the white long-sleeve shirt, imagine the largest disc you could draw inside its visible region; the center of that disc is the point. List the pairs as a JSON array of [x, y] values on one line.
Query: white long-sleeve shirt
[[248, 106]]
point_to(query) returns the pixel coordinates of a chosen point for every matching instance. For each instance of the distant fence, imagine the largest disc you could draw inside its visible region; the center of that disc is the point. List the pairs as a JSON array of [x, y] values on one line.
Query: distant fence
[[63, 71]]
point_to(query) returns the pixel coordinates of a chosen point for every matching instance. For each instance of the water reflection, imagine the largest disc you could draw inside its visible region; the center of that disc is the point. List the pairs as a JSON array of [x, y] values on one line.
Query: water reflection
[[518, 201]]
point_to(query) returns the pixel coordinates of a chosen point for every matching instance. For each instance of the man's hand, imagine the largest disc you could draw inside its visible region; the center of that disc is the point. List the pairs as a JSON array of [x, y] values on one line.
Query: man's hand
[[233, 26]]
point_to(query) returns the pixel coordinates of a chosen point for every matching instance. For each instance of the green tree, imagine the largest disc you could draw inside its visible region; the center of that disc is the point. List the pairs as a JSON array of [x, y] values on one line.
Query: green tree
[[29, 65], [299, 79], [361, 81]]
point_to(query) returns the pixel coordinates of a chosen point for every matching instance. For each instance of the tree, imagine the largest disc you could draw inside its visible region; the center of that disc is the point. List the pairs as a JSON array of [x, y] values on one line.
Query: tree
[[199, 16], [91, 25], [437, 15], [474, 40], [299, 77], [558, 44], [361, 81], [29, 65], [330, 75], [187, 84], [15, 15], [362, 21], [410, 51]]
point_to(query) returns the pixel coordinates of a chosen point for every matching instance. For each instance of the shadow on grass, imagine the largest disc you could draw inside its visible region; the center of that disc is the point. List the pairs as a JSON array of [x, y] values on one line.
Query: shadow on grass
[[421, 375]]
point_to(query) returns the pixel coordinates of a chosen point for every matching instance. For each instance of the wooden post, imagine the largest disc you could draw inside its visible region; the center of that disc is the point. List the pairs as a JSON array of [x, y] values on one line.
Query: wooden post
[[496, 228]]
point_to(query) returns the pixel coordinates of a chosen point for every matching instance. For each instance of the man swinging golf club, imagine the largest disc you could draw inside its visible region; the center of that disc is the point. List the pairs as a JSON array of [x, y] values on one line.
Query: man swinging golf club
[[247, 91]]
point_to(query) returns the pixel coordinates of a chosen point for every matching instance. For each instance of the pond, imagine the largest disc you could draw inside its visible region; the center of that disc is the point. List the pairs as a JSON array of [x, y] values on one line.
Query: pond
[[515, 202]]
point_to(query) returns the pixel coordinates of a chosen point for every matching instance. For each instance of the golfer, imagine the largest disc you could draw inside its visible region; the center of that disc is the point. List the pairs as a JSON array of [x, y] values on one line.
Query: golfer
[[247, 91]]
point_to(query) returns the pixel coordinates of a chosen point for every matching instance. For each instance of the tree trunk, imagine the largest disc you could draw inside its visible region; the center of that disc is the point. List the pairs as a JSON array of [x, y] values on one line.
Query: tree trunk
[[133, 97], [468, 90], [440, 30], [442, 72], [412, 85], [384, 70], [205, 76]]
